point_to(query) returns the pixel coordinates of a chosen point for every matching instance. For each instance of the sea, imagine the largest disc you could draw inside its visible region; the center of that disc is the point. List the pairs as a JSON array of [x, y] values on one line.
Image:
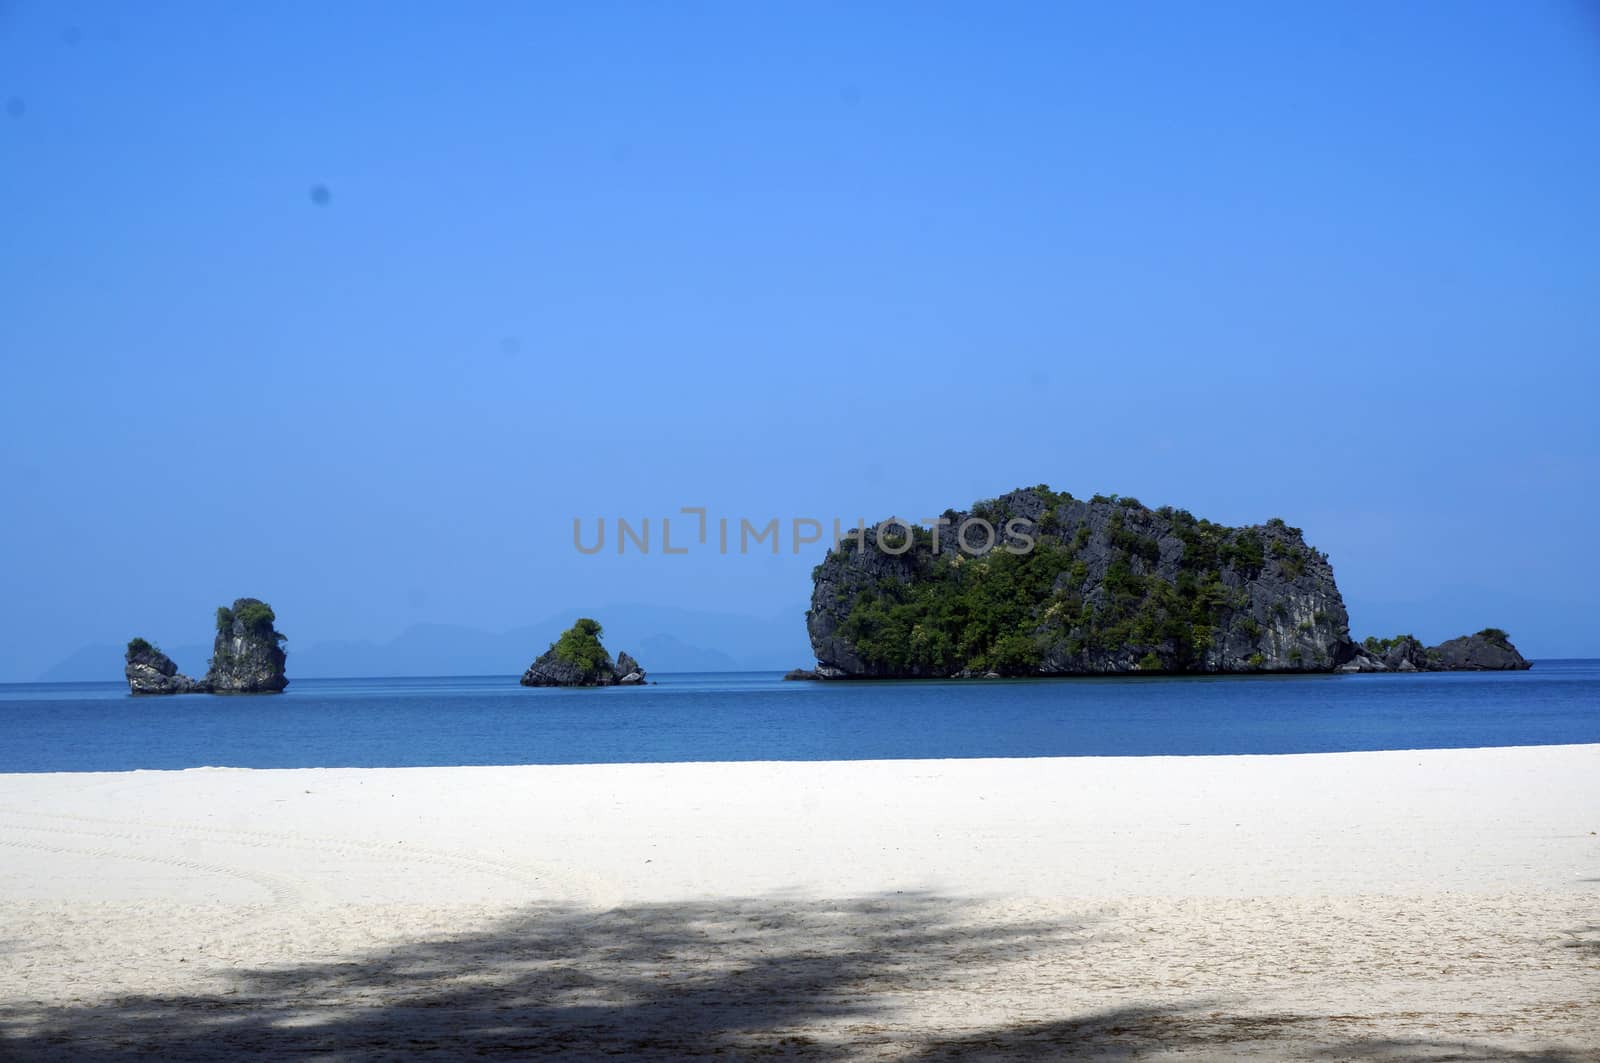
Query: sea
[[753, 716]]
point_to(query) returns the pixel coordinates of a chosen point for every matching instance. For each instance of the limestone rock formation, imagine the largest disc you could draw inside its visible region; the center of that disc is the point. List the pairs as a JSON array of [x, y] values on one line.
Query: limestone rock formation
[[1106, 586], [577, 659], [1490, 650], [247, 656], [627, 670], [149, 671], [1407, 654]]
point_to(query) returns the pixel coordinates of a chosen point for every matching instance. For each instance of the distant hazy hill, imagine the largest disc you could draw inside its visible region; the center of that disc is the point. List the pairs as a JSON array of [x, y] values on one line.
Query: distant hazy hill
[[102, 661], [663, 638]]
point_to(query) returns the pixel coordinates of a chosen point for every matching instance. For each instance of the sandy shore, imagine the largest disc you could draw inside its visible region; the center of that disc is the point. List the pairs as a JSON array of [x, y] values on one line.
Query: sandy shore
[[1434, 904]]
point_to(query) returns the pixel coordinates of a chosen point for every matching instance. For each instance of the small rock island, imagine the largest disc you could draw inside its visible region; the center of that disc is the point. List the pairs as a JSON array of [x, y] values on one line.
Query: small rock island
[[149, 671], [577, 659], [246, 657], [1490, 650]]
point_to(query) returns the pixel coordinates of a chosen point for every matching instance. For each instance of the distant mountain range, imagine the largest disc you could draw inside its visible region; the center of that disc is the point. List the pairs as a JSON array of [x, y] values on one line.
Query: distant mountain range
[[663, 638]]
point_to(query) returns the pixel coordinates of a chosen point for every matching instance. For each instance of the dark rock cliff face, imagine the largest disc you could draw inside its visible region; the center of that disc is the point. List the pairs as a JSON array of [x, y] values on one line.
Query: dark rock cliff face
[[551, 671], [627, 670], [1108, 587], [149, 671], [1406, 655], [247, 657], [1487, 651]]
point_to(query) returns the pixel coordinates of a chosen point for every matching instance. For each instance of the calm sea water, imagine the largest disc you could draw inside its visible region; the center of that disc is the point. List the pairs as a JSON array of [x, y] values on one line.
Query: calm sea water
[[756, 716]]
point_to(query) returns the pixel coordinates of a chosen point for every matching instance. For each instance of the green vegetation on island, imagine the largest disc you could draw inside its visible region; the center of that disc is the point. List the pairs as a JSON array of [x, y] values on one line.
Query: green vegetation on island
[[1382, 646], [580, 646], [256, 617]]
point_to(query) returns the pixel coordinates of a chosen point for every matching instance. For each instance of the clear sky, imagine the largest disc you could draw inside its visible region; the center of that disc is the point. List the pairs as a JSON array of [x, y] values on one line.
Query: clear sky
[[354, 307]]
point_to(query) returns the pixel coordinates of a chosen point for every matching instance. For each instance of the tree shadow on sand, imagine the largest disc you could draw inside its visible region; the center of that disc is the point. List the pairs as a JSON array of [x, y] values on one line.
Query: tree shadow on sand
[[737, 979], [1202, 1033]]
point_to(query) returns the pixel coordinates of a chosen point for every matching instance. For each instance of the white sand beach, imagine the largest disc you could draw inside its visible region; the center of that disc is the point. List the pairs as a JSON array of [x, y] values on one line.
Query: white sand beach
[[1394, 905]]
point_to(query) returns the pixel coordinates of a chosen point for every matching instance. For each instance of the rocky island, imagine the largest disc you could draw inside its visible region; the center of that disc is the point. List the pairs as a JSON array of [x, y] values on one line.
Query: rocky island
[[1490, 650], [149, 671], [577, 659], [247, 657], [1038, 583]]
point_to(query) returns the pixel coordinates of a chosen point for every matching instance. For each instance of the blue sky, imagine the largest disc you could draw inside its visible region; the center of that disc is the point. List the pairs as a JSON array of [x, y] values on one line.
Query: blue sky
[[1331, 262]]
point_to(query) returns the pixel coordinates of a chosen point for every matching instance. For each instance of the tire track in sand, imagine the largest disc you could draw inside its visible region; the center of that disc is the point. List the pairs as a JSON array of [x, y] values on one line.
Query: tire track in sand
[[282, 893], [544, 882]]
